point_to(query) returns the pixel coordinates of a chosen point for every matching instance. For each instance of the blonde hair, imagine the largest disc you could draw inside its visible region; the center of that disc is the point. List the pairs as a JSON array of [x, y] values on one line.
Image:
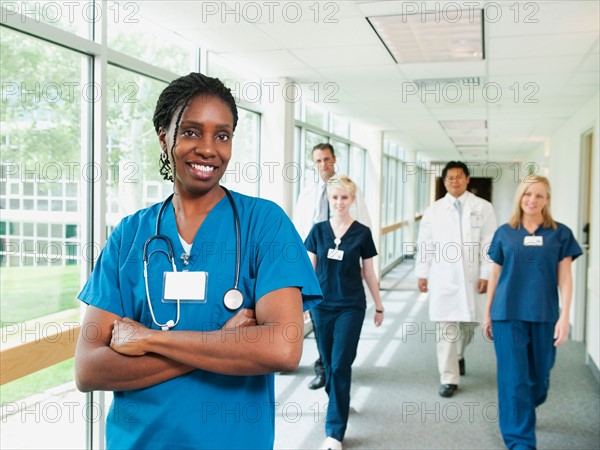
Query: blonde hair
[[342, 182], [517, 215]]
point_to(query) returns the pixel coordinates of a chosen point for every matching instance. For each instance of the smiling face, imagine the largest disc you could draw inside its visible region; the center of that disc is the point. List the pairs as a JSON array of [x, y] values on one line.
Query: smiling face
[[340, 201], [203, 144], [534, 199], [325, 162], [456, 182]]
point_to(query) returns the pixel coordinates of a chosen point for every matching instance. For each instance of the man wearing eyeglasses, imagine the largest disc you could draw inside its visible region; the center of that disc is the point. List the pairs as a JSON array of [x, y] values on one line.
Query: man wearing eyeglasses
[[452, 265]]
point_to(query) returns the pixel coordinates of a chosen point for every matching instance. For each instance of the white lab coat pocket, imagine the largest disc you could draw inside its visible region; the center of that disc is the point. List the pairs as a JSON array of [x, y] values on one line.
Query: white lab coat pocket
[[476, 220]]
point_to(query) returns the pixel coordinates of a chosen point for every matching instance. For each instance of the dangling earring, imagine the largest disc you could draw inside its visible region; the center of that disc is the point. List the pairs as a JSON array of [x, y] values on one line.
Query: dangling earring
[[163, 156]]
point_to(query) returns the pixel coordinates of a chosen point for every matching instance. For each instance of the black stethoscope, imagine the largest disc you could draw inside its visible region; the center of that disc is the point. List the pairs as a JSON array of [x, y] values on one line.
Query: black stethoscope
[[233, 298]]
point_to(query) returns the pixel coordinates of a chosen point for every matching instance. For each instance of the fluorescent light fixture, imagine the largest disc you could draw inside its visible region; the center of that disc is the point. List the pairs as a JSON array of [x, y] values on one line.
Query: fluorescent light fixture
[[464, 125], [473, 152], [462, 140], [448, 35]]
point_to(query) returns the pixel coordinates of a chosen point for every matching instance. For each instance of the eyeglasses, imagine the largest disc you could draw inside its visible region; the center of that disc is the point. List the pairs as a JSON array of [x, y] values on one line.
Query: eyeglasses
[[456, 178]]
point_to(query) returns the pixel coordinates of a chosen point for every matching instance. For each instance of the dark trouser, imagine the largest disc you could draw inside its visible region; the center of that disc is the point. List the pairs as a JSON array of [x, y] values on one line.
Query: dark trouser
[[319, 370], [525, 353], [339, 332]]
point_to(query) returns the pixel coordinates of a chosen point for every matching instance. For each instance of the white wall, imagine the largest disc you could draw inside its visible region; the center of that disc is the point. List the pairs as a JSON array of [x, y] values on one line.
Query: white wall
[[561, 162], [505, 179]]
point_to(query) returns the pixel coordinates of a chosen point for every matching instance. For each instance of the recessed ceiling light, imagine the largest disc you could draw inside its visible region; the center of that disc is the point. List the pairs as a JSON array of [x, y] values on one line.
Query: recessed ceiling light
[[431, 37], [458, 140], [463, 124]]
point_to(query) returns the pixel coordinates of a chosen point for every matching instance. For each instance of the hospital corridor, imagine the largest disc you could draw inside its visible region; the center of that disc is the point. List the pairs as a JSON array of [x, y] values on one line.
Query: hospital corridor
[[202, 201]]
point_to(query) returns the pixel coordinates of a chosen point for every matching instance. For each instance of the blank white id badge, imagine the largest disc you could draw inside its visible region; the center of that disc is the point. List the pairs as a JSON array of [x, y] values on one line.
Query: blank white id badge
[[537, 241], [185, 286], [334, 253]]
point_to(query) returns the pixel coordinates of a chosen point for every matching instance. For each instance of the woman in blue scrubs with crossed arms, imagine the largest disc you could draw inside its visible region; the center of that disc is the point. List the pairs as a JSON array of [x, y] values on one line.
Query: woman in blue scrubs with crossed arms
[[336, 248], [190, 367], [532, 256]]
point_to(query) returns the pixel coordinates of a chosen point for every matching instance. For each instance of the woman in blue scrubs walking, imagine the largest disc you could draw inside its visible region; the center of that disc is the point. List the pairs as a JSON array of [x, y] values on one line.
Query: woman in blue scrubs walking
[[191, 359], [336, 248], [532, 257]]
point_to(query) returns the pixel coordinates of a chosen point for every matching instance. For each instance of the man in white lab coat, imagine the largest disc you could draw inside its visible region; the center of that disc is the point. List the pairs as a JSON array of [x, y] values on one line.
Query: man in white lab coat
[[313, 207], [452, 265]]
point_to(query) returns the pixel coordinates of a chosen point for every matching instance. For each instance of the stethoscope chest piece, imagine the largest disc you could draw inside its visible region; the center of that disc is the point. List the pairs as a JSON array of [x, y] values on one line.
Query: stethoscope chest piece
[[233, 299]]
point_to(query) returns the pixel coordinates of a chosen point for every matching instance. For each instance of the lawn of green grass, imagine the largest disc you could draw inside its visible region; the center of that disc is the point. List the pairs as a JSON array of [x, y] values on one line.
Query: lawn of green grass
[[31, 292]]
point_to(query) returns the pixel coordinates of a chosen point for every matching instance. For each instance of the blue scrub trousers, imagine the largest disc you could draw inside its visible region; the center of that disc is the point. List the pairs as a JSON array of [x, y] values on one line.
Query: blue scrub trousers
[[525, 353], [339, 332]]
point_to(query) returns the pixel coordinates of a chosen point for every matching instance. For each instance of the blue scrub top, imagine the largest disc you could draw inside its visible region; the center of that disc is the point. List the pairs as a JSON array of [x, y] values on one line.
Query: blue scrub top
[[341, 281], [528, 286], [200, 410]]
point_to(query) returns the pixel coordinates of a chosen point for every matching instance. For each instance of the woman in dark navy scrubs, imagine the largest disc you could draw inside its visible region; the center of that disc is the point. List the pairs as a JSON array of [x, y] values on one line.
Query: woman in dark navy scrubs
[[336, 248], [532, 257]]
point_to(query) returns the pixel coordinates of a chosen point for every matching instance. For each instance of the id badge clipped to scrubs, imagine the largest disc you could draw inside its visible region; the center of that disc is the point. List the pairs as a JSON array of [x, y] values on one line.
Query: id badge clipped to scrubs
[[185, 286], [535, 241], [335, 253]]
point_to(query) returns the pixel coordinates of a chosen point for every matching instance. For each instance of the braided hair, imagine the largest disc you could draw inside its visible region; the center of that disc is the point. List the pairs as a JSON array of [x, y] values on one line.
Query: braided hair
[[177, 95]]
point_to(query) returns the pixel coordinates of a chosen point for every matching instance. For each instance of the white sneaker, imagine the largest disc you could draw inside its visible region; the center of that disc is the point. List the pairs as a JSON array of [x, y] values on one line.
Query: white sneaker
[[332, 444]]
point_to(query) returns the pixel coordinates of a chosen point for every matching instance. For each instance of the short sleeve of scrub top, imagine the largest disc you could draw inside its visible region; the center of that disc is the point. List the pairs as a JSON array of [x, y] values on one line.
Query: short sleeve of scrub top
[[202, 409], [528, 286]]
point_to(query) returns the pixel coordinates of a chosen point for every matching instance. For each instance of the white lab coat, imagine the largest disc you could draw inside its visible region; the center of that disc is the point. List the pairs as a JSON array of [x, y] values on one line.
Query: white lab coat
[[453, 270], [308, 199]]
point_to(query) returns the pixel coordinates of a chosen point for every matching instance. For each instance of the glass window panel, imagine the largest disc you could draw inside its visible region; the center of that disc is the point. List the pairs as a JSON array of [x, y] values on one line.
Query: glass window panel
[[15, 188], [71, 205], [316, 116], [342, 157], [393, 167], [398, 250], [399, 192], [75, 17], [55, 205], [42, 189], [72, 189], [152, 191], [244, 170], [28, 205], [28, 188], [56, 189], [42, 205], [161, 47], [341, 127], [358, 166], [384, 194], [311, 173], [28, 229], [15, 204], [56, 230], [71, 231], [134, 151], [297, 156], [42, 229], [15, 229], [244, 84]]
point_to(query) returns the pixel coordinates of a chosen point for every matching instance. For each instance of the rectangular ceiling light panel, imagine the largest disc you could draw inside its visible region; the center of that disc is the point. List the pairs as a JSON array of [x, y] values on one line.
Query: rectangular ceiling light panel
[[448, 35]]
